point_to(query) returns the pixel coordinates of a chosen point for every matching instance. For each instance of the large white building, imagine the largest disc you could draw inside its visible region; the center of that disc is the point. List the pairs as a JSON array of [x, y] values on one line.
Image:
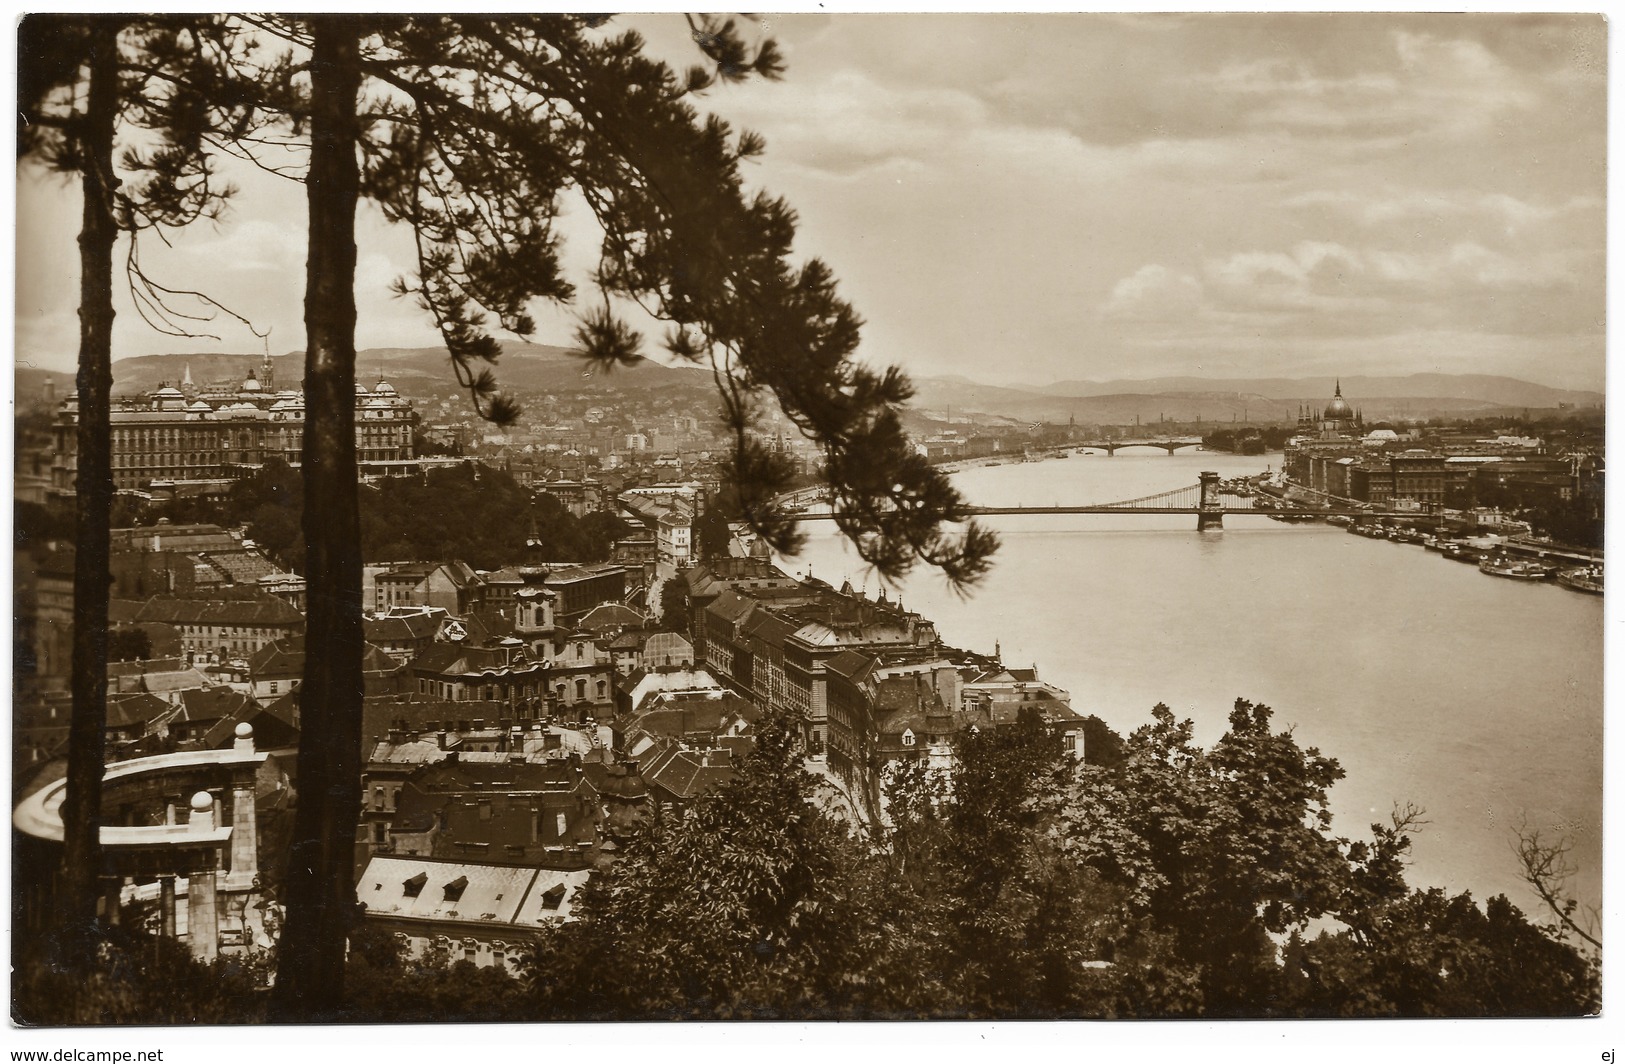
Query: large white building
[[191, 433]]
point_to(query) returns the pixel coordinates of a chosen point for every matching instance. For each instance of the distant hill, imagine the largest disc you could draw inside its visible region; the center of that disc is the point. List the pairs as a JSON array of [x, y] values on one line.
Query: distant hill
[[415, 371], [1472, 387], [537, 368], [1262, 400]]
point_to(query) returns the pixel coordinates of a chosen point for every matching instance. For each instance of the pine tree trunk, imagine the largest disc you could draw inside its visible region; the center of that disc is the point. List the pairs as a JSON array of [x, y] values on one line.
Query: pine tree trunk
[[321, 902], [93, 487]]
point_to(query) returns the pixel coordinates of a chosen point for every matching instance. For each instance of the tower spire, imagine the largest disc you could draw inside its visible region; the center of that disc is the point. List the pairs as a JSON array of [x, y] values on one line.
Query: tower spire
[[1339, 392]]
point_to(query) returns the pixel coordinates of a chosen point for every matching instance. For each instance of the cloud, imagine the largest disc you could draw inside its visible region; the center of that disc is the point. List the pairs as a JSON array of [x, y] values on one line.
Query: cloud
[[1502, 211], [1328, 289], [1154, 293], [1038, 191]]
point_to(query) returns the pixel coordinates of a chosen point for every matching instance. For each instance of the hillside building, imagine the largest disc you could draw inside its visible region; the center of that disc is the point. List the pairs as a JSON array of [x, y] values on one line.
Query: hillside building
[[189, 433]]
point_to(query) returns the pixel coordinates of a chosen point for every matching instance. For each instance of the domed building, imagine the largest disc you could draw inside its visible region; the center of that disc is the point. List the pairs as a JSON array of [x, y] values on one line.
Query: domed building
[[1335, 420], [226, 430]]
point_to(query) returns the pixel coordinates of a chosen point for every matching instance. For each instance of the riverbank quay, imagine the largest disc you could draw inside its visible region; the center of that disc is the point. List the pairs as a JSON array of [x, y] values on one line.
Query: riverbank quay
[[1358, 645]]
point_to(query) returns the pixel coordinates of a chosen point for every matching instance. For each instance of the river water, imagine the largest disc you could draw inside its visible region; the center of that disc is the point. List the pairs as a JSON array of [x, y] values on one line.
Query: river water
[[1477, 698]]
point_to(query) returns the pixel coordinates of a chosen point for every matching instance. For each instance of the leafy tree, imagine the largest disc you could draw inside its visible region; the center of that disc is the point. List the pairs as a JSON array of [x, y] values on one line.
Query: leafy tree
[[711, 530], [1430, 954], [472, 130], [320, 888], [736, 908], [1216, 849], [1101, 745], [80, 78], [129, 644], [138, 978], [383, 986], [674, 608]]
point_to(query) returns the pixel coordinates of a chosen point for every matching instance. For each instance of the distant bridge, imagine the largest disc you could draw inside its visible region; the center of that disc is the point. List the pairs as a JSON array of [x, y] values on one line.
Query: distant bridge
[[1166, 443], [1209, 500]]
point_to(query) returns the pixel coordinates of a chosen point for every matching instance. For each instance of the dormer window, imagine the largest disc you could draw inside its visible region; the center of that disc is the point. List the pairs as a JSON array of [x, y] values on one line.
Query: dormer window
[[908, 737], [414, 886], [454, 889]]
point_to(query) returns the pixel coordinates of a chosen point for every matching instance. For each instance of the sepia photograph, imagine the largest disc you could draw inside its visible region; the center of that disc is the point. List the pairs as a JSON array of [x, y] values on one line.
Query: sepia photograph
[[550, 519]]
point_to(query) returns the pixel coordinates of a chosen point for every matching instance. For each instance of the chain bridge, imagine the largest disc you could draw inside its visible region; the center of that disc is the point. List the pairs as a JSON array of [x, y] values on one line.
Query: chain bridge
[[1209, 500]]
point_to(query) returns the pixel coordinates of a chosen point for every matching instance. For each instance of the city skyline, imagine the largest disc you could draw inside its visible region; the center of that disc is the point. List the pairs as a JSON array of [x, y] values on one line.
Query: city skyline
[[1089, 196]]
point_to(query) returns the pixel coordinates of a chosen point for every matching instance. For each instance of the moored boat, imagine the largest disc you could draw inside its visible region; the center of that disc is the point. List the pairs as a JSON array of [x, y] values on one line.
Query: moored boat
[[1513, 570], [1587, 578]]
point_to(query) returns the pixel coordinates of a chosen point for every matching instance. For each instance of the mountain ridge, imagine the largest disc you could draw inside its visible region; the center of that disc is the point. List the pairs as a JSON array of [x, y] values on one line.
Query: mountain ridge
[[550, 368]]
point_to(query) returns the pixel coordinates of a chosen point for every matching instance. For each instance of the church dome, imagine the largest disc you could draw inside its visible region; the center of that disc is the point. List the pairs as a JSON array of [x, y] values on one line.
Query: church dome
[[1338, 409], [252, 384], [384, 388]]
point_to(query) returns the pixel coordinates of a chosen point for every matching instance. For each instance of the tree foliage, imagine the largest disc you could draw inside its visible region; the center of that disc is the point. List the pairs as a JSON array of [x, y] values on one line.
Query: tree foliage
[[1180, 881], [129, 104], [474, 130], [736, 907], [674, 605]]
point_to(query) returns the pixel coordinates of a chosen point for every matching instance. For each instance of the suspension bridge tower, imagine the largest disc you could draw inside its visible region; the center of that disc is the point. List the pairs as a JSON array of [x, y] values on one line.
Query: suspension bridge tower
[[1210, 510]]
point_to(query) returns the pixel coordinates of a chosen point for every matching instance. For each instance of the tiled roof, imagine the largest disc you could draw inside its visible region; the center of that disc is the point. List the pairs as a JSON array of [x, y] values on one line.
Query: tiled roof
[[609, 615], [431, 889], [631, 639], [213, 703], [731, 606], [259, 717], [259, 611], [136, 668], [851, 664], [280, 657], [241, 566], [688, 773], [124, 711], [551, 897], [180, 680], [769, 628], [416, 628]]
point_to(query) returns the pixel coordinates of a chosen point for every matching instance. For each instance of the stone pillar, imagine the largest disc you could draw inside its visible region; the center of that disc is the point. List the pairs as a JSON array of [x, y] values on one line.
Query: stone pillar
[[112, 894], [1210, 511], [166, 906], [244, 834], [202, 915]]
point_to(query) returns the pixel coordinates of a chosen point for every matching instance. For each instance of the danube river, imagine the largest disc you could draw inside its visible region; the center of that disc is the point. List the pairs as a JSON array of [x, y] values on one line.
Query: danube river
[[1477, 698]]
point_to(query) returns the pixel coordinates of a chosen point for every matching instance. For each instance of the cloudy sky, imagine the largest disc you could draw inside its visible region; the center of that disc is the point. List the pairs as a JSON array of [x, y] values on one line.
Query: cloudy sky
[[1048, 197]]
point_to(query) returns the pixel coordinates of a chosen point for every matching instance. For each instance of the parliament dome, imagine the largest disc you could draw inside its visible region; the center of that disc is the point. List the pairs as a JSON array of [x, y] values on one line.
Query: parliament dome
[[1338, 409]]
